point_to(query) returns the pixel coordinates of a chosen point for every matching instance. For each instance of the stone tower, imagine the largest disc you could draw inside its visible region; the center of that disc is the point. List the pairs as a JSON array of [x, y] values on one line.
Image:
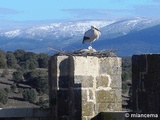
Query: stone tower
[[83, 86]]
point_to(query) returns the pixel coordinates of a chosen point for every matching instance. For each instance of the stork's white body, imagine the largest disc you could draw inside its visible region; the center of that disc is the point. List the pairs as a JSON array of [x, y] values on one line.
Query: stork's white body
[[91, 35]]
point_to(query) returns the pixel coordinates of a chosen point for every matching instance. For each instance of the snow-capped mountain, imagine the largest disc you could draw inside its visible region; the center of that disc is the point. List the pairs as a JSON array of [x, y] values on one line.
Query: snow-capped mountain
[[129, 36], [56, 29]]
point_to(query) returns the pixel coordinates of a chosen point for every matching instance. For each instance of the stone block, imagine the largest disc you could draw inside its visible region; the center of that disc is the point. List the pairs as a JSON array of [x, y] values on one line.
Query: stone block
[[118, 95], [84, 118], [83, 81], [104, 107], [116, 82], [107, 107], [110, 65], [91, 94], [118, 106], [102, 81], [85, 66], [87, 109], [105, 96]]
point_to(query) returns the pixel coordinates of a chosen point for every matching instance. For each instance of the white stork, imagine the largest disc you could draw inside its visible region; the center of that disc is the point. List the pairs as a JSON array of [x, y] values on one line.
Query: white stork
[[91, 35]]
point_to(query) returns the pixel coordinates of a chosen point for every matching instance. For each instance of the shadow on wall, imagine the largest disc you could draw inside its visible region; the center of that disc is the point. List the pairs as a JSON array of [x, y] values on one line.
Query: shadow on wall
[[65, 96], [69, 97]]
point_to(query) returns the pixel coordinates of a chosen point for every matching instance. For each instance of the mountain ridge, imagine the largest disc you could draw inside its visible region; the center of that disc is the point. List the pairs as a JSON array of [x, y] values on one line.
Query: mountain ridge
[[68, 36]]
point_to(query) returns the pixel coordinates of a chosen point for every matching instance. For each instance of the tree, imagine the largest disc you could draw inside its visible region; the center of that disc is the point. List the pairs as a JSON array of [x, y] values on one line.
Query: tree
[[19, 54], [43, 60], [13, 88], [2, 63], [5, 72], [3, 96], [30, 95], [2, 54], [18, 76], [38, 80], [31, 64], [30, 55], [31, 75], [11, 60], [42, 85]]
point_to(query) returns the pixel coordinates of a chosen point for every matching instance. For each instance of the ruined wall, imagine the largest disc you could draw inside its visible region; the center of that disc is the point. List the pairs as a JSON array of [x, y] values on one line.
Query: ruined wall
[[146, 83], [81, 87]]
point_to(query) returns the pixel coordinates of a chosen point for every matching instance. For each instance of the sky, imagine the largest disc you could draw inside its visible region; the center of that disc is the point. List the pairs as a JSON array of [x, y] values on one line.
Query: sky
[[32, 10]]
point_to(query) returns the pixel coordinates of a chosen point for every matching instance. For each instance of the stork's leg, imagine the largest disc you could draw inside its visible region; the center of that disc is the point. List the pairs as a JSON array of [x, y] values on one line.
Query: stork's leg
[[91, 44]]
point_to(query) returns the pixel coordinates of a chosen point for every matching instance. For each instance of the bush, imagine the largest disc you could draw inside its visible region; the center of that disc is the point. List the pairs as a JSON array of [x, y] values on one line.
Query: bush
[[43, 60], [18, 76], [13, 88], [30, 95], [5, 72], [2, 63], [3, 96], [11, 60], [42, 85], [38, 80], [7, 90], [43, 103]]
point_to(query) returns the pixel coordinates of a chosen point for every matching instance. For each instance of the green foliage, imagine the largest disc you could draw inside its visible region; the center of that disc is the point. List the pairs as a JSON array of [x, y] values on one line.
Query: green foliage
[[7, 90], [38, 80], [20, 90], [126, 68], [42, 84], [13, 88], [19, 54], [5, 72], [3, 96], [27, 66], [18, 76], [26, 60], [31, 64], [2, 54], [11, 60], [30, 95], [43, 103], [43, 60], [30, 55], [2, 63], [2, 59]]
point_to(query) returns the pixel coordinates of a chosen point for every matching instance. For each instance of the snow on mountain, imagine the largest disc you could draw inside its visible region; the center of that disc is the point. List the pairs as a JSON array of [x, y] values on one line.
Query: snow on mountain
[[57, 29], [12, 33], [69, 35], [123, 27]]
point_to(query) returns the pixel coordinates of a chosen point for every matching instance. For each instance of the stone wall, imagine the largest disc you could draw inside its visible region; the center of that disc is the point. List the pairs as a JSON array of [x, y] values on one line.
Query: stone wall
[[81, 87], [146, 83], [25, 113]]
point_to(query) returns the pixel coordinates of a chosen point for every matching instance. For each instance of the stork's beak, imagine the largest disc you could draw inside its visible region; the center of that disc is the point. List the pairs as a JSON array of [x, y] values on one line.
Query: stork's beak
[[97, 29]]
